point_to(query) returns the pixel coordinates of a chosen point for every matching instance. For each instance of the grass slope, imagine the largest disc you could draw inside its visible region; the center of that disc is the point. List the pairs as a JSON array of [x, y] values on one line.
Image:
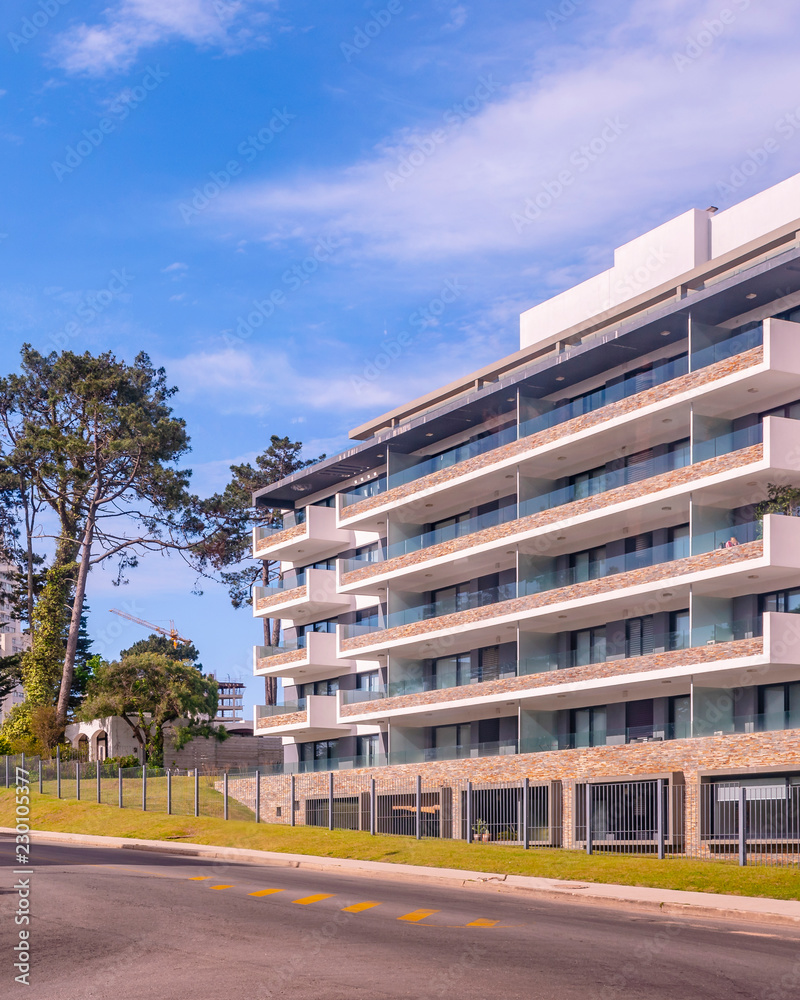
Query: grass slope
[[48, 813]]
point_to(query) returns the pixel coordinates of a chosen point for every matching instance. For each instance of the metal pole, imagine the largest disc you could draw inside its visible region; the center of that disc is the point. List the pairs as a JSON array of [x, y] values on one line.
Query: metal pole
[[196, 792], [169, 793], [469, 812], [41, 778], [144, 787], [419, 807], [22, 765], [526, 819], [742, 826], [99, 789], [78, 780], [119, 778], [330, 802], [588, 818], [291, 799], [7, 771], [372, 807], [225, 795], [258, 797], [58, 772], [661, 785]]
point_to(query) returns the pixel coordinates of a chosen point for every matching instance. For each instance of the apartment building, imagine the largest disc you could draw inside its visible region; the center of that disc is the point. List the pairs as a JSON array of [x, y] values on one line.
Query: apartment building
[[558, 565], [12, 639]]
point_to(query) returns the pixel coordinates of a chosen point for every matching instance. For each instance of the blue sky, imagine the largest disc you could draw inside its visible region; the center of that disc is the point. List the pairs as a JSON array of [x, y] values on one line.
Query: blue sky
[[170, 166]]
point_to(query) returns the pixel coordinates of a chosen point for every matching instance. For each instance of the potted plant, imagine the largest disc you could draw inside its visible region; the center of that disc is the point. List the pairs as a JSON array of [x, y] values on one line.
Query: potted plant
[[480, 831]]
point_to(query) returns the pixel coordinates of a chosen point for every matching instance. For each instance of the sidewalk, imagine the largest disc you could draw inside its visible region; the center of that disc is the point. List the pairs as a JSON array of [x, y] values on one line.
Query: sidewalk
[[666, 901]]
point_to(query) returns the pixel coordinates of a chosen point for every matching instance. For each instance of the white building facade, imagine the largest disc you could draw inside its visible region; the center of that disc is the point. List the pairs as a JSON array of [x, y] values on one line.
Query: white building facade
[[564, 551]]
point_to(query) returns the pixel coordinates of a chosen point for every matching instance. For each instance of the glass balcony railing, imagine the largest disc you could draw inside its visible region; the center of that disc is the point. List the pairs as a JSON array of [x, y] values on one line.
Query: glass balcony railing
[[462, 452], [495, 749], [289, 520], [288, 708], [745, 628], [449, 532], [287, 646], [605, 482], [658, 375], [449, 606], [371, 489], [744, 340], [726, 538], [724, 444]]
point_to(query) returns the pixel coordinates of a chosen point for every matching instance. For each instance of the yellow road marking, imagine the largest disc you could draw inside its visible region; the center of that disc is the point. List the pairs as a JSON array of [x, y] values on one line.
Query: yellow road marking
[[358, 907], [314, 899], [482, 923], [221, 886], [264, 892], [417, 915], [198, 878]]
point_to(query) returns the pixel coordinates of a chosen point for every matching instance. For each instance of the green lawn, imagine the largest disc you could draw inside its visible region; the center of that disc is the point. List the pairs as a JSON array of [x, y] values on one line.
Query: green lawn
[[49, 813]]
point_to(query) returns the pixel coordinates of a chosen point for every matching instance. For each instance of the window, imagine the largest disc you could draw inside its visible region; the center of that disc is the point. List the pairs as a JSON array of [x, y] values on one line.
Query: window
[[368, 553], [450, 599], [368, 681], [451, 736], [782, 600], [588, 646], [319, 750], [325, 626], [368, 747], [780, 706], [679, 635], [451, 671], [680, 452], [586, 483], [588, 565], [589, 726], [640, 635], [680, 716], [680, 541]]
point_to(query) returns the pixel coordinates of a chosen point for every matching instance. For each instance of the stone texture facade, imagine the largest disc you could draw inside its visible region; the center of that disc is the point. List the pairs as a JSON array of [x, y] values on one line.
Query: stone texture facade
[[570, 675], [519, 605], [523, 446], [282, 597], [279, 659], [280, 538], [266, 722], [630, 493]]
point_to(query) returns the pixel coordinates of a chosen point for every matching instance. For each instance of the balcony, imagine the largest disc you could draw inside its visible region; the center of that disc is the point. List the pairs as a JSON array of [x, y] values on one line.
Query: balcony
[[773, 559], [609, 497], [312, 718], [600, 420], [305, 535], [312, 660], [313, 597]]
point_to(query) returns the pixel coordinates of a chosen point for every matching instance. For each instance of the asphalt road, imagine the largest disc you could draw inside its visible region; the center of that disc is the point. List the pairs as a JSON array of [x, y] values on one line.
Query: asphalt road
[[131, 924]]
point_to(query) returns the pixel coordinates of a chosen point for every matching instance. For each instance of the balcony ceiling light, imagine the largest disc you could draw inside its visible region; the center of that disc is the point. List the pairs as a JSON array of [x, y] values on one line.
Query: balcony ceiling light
[[429, 434], [753, 576], [560, 378], [666, 508], [752, 390], [751, 295], [562, 616], [667, 420], [666, 333]]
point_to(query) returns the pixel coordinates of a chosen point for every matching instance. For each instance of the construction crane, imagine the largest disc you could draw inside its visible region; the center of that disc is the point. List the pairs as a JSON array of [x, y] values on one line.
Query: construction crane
[[170, 633]]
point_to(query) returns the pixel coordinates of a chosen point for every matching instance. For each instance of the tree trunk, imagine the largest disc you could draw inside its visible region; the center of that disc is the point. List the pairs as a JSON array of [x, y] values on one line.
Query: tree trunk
[[75, 619]]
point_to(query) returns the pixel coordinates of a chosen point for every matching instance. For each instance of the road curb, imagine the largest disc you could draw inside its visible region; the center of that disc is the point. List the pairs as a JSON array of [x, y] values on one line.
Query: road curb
[[672, 902]]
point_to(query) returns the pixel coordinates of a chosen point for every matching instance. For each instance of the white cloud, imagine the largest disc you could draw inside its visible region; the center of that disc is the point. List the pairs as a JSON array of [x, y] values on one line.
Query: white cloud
[[458, 18], [681, 129], [130, 26], [172, 268]]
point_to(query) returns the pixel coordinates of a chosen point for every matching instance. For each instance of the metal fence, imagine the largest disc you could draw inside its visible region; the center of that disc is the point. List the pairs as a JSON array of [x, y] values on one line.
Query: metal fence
[[752, 821]]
